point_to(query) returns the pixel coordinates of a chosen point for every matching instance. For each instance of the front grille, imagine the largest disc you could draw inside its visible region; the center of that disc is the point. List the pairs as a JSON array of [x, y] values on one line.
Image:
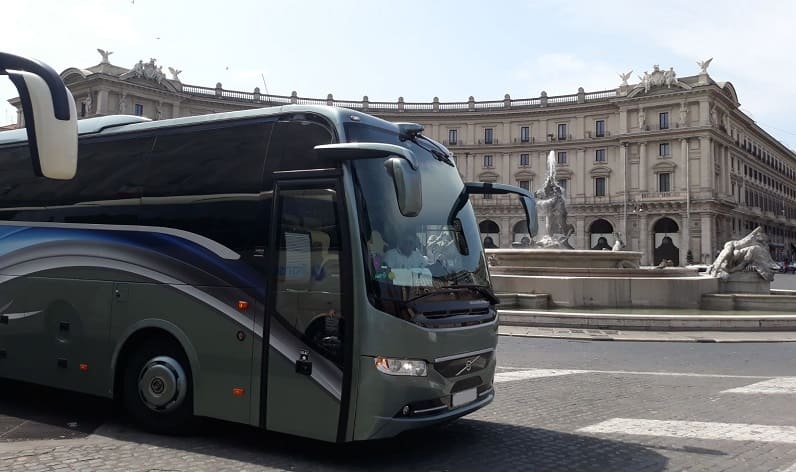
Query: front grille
[[464, 365], [454, 318]]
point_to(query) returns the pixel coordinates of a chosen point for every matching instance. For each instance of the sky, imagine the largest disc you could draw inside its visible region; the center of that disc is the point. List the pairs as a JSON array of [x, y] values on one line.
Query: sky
[[421, 50]]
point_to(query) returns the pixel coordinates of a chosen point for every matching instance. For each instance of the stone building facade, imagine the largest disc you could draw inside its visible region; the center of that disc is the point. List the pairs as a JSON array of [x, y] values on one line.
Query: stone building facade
[[671, 163]]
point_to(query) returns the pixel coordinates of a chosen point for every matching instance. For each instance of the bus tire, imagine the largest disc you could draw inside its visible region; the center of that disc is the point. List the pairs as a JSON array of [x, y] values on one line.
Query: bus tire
[[157, 388]]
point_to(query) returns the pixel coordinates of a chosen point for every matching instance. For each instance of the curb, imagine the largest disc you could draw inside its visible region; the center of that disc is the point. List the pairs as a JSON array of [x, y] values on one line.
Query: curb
[[615, 321], [648, 336]]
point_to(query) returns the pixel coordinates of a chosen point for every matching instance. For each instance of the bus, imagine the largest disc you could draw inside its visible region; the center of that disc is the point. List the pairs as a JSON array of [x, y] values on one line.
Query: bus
[[310, 270]]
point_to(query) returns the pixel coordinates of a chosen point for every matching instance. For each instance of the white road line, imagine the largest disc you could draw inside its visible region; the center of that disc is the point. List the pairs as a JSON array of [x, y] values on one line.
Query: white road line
[[532, 374], [633, 372], [779, 385], [696, 430]]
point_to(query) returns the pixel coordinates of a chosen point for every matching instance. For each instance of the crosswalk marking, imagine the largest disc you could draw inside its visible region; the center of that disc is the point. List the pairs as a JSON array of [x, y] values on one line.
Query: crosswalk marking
[[779, 385], [532, 374], [696, 430]]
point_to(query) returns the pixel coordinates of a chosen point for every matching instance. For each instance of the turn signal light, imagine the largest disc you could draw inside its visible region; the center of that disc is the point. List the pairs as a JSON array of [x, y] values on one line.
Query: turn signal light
[[238, 392], [83, 367], [243, 305]]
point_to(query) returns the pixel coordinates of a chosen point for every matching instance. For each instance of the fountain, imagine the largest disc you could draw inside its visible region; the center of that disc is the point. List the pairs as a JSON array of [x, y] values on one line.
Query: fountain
[[550, 202], [551, 272]]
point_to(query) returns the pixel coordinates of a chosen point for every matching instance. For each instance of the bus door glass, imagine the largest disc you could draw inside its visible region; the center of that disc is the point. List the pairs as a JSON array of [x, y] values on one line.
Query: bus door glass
[[307, 320]]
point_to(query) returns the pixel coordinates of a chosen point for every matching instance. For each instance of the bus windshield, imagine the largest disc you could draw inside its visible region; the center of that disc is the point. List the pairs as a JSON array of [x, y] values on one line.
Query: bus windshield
[[438, 250]]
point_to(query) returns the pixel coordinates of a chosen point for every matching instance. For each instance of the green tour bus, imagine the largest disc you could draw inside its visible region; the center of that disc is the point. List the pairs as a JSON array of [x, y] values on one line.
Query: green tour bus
[[306, 269]]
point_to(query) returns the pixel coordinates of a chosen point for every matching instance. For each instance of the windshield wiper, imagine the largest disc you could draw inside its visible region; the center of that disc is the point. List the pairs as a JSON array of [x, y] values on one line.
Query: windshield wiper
[[481, 289], [412, 131]]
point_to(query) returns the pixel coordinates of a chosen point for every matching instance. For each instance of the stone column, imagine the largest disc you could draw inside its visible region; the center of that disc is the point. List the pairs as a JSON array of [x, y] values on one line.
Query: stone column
[[622, 121], [643, 169], [505, 232], [707, 223], [725, 170], [580, 234], [706, 163], [470, 133], [685, 243], [581, 162], [508, 176], [644, 239], [102, 102], [683, 173]]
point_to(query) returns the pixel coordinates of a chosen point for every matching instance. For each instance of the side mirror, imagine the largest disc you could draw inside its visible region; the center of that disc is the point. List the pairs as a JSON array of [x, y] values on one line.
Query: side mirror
[[408, 189], [530, 214], [50, 117]]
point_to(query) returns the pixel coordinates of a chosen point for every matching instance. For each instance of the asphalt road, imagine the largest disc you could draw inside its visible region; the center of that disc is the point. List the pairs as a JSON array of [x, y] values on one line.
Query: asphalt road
[[561, 405]]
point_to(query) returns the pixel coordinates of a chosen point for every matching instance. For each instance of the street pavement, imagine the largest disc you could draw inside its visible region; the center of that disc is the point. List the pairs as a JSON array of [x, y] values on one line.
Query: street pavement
[[560, 405]]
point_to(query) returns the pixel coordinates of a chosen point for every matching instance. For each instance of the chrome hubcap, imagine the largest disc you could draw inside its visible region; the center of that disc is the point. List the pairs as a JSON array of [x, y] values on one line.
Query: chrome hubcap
[[162, 384]]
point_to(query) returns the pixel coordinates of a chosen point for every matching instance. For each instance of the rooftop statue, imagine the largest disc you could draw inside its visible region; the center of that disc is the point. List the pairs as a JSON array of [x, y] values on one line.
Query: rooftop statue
[[703, 65], [751, 251], [105, 55]]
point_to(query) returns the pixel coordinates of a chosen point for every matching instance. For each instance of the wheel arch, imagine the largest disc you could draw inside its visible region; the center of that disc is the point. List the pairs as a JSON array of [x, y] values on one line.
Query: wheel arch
[[136, 333]]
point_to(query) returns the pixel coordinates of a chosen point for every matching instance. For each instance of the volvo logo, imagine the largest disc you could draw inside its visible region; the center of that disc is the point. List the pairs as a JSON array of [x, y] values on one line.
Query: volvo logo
[[468, 365]]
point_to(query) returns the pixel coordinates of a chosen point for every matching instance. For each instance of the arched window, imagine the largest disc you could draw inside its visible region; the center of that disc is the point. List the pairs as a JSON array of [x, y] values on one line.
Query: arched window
[[488, 226], [665, 225], [601, 226], [521, 227]]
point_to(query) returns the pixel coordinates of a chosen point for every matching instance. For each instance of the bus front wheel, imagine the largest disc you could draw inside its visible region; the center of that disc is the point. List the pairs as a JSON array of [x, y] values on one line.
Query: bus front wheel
[[157, 388]]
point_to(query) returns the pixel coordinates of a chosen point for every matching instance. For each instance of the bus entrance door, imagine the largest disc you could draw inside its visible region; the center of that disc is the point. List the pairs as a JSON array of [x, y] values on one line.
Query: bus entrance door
[[306, 321]]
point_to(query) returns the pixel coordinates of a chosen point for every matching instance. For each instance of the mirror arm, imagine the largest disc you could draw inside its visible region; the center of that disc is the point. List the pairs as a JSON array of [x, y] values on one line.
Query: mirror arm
[[351, 151], [489, 188], [10, 63]]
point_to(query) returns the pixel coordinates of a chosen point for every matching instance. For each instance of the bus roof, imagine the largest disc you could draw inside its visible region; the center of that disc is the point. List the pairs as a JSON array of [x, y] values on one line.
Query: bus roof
[[116, 124]]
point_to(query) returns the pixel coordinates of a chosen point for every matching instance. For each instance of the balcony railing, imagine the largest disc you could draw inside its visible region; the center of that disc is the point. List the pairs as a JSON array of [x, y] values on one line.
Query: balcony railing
[[399, 106], [662, 196]]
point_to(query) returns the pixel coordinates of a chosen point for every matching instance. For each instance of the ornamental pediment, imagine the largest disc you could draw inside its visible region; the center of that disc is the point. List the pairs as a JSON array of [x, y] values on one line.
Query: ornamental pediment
[[664, 166], [600, 171], [488, 176]]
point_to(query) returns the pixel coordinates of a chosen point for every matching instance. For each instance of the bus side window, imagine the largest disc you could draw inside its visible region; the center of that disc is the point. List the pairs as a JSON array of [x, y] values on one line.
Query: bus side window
[[209, 182]]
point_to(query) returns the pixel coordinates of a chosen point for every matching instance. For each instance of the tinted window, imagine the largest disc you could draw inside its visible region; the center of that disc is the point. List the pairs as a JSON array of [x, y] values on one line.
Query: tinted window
[[106, 188], [209, 182], [208, 161], [292, 146]]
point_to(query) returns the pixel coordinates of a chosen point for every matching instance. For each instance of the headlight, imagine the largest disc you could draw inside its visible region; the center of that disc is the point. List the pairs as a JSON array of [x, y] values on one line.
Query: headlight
[[409, 367]]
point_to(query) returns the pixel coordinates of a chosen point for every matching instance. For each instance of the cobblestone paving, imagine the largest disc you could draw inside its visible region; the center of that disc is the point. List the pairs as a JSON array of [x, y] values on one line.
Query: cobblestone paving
[[532, 425]]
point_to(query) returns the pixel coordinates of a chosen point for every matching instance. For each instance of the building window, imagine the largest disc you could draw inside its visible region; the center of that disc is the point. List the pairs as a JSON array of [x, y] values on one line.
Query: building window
[[563, 183], [561, 157], [524, 184], [664, 149], [138, 109], [599, 155], [525, 160], [487, 135], [599, 187], [487, 160], [664, 182], [663, 120], [525, 134], [562, 131], [83, 109], [599, 128], [453, 136]]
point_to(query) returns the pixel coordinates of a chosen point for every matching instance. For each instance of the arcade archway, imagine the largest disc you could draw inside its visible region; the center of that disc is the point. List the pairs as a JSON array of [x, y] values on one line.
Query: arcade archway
[[666, 241]]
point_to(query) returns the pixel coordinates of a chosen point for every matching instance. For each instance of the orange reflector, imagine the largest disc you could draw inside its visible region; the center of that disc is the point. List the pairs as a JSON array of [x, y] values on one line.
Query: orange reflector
[[83, 367], [242, 305], [238, 392]]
